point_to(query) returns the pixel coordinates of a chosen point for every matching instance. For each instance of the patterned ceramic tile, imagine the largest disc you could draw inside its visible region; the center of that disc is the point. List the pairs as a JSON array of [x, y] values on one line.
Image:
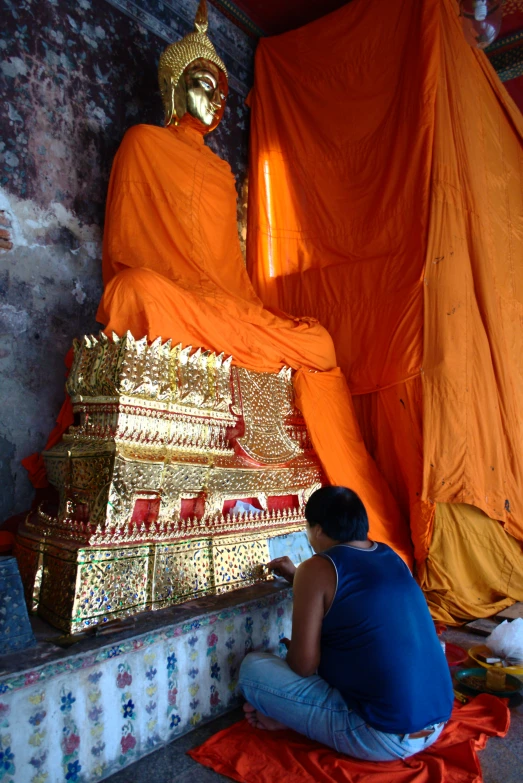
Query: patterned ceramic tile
[[91, 714]]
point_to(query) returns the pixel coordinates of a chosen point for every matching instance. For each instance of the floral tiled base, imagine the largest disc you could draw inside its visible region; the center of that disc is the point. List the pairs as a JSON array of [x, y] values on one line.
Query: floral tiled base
[[87, 716]]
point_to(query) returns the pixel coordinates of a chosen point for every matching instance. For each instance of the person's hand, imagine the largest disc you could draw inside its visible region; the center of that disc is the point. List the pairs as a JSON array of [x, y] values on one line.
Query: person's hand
[[283, 566]]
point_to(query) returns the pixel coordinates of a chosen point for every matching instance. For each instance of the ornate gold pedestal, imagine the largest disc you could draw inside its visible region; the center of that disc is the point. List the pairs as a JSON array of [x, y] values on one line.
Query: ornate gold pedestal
[[167, 440]]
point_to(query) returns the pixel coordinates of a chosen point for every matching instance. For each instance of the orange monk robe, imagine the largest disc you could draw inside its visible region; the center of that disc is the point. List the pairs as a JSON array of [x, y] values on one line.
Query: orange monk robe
[[172, 268], [172, 264]]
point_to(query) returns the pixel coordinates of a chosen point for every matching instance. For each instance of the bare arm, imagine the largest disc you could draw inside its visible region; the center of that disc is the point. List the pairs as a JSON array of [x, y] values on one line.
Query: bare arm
[[314, 588]]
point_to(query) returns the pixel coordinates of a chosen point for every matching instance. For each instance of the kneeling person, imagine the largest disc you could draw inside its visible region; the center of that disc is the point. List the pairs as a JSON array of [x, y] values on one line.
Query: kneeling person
[[365, 672]]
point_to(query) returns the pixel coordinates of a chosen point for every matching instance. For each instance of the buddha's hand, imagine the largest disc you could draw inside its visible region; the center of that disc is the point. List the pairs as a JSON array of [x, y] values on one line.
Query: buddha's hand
[[283, 566]]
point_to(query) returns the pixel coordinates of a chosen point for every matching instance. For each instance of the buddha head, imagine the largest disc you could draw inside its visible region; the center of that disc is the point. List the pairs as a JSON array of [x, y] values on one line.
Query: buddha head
[[193, 79]]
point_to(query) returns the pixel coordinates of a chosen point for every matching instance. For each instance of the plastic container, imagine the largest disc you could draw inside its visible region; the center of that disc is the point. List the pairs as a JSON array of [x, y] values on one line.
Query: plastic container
[[455, 655], [473, 653]]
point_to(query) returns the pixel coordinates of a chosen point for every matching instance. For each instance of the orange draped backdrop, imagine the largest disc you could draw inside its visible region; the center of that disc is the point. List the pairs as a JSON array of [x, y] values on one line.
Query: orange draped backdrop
[[386, 200]]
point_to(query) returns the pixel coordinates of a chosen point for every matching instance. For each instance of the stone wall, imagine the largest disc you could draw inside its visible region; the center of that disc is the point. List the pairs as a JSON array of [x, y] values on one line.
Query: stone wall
[[74, 75]]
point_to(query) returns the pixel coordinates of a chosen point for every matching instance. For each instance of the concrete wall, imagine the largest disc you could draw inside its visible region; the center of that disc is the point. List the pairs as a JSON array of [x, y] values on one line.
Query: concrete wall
[[74, 75]]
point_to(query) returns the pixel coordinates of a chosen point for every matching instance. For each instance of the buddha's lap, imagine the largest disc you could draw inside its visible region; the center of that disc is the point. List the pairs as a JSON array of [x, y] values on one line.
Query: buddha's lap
[[143, 289], [146, 303]]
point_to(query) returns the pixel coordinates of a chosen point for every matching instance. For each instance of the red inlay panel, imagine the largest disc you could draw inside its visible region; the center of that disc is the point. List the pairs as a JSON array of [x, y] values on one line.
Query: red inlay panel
[[146, 510]]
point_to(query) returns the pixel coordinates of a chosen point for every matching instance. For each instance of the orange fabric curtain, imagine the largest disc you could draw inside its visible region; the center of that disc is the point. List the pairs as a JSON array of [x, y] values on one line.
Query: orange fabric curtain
[[341, 141], [392, 428], [339, 194], [385, 199], [473, 354]]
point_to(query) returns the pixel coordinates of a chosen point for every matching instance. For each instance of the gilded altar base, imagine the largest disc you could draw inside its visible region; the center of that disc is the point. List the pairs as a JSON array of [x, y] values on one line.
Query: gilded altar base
[[167, 441]]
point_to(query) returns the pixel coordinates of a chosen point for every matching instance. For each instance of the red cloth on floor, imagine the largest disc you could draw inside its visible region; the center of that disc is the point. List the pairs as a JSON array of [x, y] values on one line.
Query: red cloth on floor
[[253, 756]]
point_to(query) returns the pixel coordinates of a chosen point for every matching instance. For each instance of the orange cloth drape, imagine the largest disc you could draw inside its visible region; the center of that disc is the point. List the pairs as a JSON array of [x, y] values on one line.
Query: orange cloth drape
[[172, 264], [385, 199], [339, 183], [173, 268], [473, 354], [240, 752], [339, 193]]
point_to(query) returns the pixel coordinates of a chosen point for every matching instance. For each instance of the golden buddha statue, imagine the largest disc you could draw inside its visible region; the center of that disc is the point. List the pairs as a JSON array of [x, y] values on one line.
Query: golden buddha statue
[[185, 404], [172, 263]]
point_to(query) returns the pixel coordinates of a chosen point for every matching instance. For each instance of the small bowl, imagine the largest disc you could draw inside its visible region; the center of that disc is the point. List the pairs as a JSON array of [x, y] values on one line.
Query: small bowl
[[455, 655]]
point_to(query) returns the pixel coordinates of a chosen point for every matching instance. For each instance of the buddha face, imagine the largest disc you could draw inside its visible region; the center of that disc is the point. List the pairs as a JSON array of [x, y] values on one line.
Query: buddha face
[[206, 92]]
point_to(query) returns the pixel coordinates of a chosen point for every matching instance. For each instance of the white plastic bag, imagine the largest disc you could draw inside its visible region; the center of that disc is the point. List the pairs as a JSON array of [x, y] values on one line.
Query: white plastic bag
[[507, 641]]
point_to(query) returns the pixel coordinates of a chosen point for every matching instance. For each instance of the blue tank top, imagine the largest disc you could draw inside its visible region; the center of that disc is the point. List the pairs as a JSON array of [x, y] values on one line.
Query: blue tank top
[[379, 647]]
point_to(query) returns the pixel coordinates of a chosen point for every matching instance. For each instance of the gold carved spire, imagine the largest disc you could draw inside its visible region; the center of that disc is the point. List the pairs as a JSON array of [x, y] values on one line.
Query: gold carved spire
[[201, 20], [178, 55]]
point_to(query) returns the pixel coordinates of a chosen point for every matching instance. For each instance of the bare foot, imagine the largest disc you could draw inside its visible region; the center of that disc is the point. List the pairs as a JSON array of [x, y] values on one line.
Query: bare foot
[[260, 721], [250, 713]]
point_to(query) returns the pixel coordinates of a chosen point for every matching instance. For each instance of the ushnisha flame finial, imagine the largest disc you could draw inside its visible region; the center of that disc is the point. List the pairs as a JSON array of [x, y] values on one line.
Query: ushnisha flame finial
[[201, 20]]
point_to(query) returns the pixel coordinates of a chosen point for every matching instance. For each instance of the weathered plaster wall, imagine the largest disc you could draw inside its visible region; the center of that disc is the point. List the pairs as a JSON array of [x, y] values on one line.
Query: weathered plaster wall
[[74, 75]]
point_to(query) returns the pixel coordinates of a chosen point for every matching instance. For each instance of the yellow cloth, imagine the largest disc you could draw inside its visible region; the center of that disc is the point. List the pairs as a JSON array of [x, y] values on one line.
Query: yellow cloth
[[474, 567]]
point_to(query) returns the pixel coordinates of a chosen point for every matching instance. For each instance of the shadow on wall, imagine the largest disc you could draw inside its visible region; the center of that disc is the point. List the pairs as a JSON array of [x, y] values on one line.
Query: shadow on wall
[[74, 76]]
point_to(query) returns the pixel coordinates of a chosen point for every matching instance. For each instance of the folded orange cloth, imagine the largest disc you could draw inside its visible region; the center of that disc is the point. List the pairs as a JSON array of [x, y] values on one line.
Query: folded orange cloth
[[252, 756]]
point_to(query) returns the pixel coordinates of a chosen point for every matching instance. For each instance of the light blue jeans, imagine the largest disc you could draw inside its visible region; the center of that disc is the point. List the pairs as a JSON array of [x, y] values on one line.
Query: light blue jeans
[[310, 706]]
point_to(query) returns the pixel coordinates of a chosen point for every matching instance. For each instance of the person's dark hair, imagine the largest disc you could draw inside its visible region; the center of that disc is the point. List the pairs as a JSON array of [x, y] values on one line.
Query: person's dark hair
[[340, 513]]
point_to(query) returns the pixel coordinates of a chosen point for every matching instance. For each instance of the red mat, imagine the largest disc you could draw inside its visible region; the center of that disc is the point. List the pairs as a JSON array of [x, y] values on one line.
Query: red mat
[[253, 756]]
